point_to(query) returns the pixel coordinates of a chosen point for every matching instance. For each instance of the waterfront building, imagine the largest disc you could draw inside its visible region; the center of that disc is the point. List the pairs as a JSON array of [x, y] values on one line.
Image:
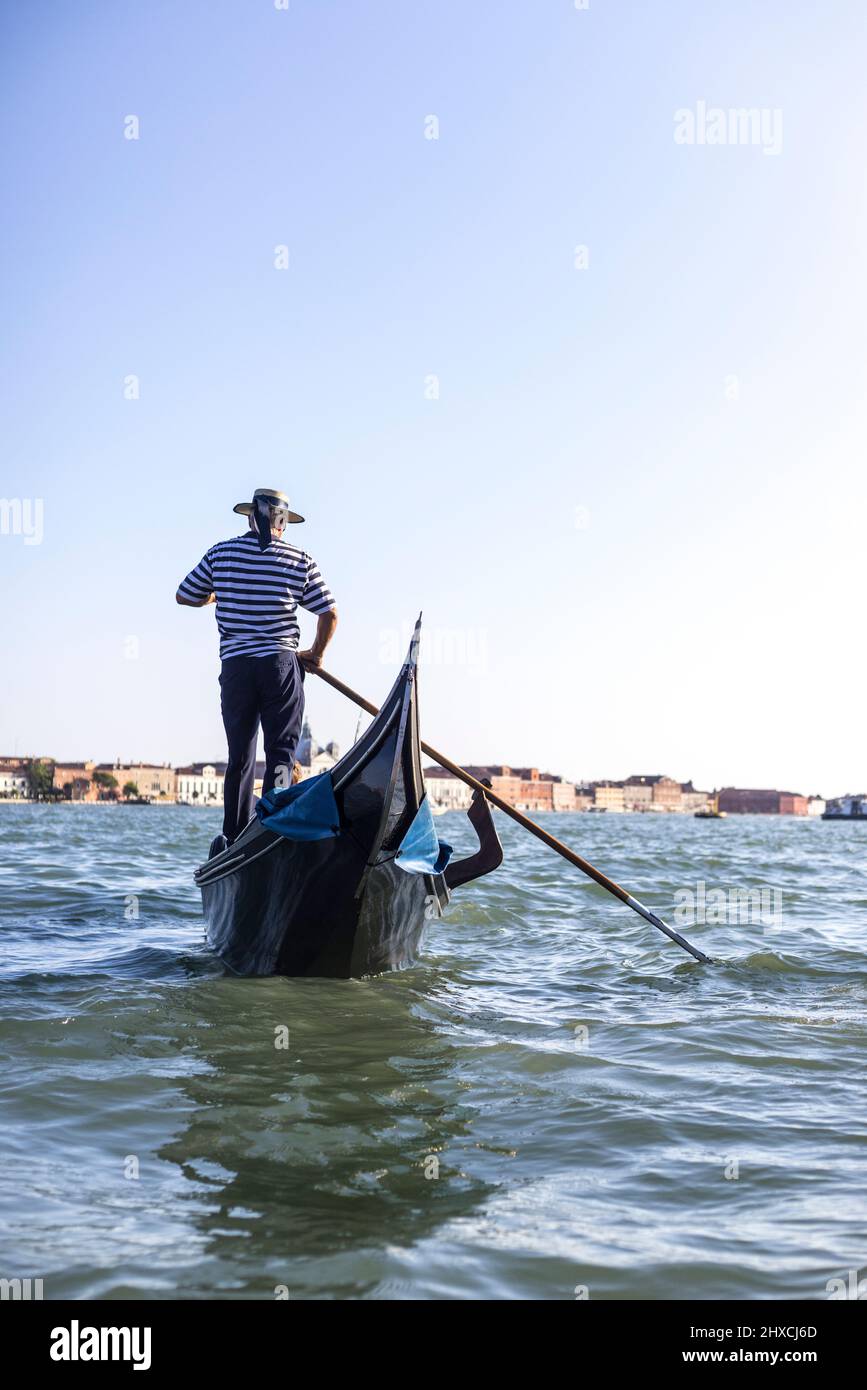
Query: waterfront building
[[761, 802], [637, 793], [258, 775], [816, 805], [445, 791], [563, 794], [74, 781], [199, 784], [14, 779], [608, 796], [667, 795], [693, 800], [651, 792], [526, 788], [156, 781], [536, 793], [505, 782], [749, 801]]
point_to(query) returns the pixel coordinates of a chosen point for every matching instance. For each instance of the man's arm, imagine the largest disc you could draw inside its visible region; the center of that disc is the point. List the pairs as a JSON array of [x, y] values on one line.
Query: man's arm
[[195, 602], [196, 591], [317, 598], [325, 625]]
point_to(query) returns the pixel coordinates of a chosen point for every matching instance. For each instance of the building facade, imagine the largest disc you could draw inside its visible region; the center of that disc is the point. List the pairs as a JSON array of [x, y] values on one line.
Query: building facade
[[14, 779], [564, 795], [743, 801], [156, 781], [74, 781], [526, 788], [536, 795], [445, 791], [667, 795], [694, 800], [637, 793], [199, 784], [608, 796]]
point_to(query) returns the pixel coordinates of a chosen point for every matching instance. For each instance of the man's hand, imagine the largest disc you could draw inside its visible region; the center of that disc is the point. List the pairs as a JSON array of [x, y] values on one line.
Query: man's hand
[[310, 659]]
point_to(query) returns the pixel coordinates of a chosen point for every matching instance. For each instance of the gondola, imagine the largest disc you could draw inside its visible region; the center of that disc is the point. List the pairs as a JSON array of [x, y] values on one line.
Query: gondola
[[338, 875]]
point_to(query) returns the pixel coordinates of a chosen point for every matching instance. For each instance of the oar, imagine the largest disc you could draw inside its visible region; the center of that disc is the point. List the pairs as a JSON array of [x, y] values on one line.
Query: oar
[[550, 840]]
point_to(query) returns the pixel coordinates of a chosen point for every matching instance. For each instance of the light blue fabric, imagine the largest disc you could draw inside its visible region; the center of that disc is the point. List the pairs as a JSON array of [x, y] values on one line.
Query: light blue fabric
[[306, 811], [420, 851]]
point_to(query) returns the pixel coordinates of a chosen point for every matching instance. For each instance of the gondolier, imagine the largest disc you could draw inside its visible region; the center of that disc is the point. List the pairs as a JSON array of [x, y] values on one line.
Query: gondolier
[[258, 582]]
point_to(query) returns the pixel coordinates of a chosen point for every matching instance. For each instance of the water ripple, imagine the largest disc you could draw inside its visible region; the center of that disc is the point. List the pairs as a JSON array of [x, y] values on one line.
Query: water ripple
[[554, 1097]]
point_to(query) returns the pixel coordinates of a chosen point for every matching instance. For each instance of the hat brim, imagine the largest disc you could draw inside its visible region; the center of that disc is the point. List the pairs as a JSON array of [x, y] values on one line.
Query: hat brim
[[246, 508]]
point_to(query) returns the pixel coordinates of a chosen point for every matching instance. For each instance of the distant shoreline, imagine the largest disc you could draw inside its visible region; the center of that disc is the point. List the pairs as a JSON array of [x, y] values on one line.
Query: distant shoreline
[[102, 805], [449, 810]]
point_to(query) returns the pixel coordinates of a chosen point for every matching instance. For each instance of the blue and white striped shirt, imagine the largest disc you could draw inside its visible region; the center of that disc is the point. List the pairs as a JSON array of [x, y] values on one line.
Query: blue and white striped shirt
[[258, 593]]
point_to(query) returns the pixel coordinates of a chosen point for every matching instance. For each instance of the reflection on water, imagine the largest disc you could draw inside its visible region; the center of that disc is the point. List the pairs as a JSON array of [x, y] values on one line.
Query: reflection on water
[[554, 1098], [316, 1148]]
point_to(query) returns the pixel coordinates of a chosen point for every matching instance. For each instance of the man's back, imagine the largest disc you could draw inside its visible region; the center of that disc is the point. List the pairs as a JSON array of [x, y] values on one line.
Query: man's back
[[258, 593]]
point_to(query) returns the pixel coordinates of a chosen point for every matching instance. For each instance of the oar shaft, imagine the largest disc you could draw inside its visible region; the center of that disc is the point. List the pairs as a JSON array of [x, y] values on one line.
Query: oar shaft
[[669, 931], [545, 836], [557, 845]]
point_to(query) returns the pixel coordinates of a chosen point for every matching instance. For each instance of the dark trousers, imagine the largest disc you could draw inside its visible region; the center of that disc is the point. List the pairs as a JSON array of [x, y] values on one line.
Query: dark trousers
[[269, 689]]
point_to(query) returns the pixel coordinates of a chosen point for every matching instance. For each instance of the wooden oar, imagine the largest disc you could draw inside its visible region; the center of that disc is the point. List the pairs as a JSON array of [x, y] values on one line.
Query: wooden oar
[[550, 840]]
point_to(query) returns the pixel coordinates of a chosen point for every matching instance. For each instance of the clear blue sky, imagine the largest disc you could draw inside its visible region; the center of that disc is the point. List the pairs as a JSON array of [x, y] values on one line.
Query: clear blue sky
[[645, 573]]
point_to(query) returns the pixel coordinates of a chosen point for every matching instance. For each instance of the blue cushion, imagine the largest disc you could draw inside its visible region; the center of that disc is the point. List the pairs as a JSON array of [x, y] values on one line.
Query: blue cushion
[[420, 851], [305, 811]]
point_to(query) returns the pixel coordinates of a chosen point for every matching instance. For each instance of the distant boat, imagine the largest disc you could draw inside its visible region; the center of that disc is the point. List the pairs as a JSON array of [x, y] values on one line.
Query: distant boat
[[846, 808], [711, 811]]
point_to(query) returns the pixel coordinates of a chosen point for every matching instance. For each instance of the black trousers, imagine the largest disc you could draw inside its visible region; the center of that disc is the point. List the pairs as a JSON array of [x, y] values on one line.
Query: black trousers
[[254, 689]]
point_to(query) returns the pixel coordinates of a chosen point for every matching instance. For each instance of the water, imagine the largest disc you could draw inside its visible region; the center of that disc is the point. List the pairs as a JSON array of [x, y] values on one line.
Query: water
[[604, 1112]]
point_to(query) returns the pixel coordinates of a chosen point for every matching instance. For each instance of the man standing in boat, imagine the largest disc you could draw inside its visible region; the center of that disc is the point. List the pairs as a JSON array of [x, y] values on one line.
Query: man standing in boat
[[258, 581]]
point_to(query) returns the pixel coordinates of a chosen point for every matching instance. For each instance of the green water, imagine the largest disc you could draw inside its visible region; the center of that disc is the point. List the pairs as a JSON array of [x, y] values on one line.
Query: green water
[[555, 1097]]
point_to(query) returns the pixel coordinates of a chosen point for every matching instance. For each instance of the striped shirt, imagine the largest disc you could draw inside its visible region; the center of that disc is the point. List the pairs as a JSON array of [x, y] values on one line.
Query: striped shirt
[[258, 593]]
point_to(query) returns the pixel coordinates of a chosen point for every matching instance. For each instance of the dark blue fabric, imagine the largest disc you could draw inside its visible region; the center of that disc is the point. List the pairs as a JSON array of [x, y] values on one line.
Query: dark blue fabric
[[254, 688], [262, 517], [420, 851], [306, 811]]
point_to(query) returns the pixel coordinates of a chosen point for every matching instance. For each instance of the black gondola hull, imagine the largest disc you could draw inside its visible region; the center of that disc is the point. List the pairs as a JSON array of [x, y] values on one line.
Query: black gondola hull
[[337, 905], [341, 904], [298, 914]]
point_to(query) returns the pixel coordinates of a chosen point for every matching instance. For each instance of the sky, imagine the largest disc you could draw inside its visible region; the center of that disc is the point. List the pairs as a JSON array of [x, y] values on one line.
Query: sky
[[549, 361]]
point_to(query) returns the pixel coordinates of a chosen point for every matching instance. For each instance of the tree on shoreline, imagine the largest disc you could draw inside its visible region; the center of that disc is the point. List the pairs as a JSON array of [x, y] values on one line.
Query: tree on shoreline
[[107, 783], [40, 774]]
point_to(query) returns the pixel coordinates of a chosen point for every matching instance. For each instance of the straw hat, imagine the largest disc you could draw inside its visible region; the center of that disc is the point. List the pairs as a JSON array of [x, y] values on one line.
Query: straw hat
[[275, 498]]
